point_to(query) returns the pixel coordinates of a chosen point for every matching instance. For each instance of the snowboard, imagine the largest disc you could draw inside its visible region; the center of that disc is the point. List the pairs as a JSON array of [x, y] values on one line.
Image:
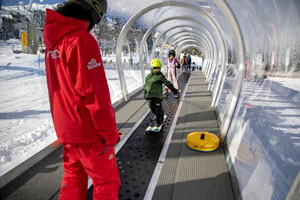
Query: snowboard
[[151, 129]]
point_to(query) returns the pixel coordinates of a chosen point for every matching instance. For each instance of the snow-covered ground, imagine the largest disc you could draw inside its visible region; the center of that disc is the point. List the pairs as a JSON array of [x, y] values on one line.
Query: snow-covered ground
[[25, 121]]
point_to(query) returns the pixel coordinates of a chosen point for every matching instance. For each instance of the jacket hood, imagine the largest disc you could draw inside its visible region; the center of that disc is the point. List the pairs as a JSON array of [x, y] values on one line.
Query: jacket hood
[[56, 26]]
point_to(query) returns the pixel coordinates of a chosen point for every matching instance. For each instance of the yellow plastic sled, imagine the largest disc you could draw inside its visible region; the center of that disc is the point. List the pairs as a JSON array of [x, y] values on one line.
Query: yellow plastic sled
[[203, 141]]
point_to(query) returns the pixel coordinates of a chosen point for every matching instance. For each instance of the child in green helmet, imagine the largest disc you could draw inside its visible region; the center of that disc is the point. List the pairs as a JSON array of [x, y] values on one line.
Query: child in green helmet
[[153, 90]]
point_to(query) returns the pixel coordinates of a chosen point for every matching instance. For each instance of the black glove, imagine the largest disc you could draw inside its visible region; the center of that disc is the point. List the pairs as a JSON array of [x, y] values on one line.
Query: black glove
[[119, 137]]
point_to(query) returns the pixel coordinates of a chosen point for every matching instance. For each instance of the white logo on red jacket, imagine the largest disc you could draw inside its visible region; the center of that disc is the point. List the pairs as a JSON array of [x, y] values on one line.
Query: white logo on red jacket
[[93, 64], [54, 54]]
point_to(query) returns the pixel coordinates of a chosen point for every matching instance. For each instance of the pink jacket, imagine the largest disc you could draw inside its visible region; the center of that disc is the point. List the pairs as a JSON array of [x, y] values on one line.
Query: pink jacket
[[172, 64]]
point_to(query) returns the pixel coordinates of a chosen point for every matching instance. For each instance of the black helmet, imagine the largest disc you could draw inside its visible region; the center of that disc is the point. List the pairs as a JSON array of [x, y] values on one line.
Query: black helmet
[[97, 8], [172, 52]]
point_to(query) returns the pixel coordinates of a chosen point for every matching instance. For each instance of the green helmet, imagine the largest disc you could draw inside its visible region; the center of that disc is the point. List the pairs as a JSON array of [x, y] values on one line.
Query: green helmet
[[155, 63]]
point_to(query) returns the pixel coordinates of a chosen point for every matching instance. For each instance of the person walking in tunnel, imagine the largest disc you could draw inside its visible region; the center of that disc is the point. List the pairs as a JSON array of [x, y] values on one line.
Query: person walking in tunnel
[[173, 63], [184, 62], [193, 66], [153, 91], [189, 62], [81, 109]]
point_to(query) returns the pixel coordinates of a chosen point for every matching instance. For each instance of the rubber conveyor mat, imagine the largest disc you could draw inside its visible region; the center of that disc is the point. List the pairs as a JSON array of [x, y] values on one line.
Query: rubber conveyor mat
[[138, 157]]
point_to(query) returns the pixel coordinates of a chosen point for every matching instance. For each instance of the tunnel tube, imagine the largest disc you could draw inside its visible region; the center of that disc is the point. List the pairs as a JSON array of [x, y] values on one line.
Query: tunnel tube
[[170, 29], [239, 43], [212, 55], [186, 18], [162, 34], [207, 50], [193, 34], [216, 88], [191, 44], [181, 48], [208, 55], [130, 22], [149, 31], [214, 59], [195, 45], [183, 42], [212, 40], [194, 42]]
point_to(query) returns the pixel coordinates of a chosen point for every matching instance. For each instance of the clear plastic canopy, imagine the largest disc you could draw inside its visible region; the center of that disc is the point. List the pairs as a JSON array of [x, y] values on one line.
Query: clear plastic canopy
[[251, 60]]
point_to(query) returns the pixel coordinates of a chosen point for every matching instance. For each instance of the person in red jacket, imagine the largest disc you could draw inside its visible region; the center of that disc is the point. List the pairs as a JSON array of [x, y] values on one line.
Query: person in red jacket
[[81, 109]]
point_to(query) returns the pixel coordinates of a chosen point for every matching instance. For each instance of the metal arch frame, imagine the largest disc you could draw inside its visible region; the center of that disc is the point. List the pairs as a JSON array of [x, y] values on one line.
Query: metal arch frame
[[191, 44], [207, 51], [192, 35], [215, 48], [188, 18], [230, 108], [215, 59], [186, 45], [183, 18], [208, 33], [146, 35], [216, 91], [213, 41], [186, 31], [184, 40], [189, 36], [239, 43], [202, 43], [166, 31], [211, 56], [206, 48], [187, 42], [173, 28], [186, 34], [180, 40], [162, 34], [130, 22]]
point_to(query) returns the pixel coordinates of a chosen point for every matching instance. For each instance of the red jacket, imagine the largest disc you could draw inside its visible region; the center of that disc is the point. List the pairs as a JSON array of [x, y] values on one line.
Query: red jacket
[[78, 91]]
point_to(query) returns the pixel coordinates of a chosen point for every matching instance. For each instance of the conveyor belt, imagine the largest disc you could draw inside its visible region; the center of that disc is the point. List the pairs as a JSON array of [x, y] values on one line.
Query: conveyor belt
[[138, 157]]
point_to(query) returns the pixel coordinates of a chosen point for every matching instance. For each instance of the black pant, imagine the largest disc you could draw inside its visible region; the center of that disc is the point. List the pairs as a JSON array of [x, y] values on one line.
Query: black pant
[[155, 105]]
